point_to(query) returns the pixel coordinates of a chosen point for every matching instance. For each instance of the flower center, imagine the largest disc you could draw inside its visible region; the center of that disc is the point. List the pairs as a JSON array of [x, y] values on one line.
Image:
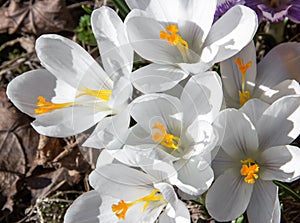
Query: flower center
[[249, 170], [244, 95], [122, 207], [44, 106], [161, 136], [175, 39]]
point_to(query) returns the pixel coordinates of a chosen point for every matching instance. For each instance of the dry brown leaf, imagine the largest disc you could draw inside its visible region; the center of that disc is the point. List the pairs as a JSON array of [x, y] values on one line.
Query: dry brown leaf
[[18, 143], [36, 16]]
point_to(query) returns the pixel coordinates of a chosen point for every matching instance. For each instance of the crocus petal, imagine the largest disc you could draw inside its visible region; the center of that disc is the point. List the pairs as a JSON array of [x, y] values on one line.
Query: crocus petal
[[24, 89], [202, 138], [263, 201], [280, 163], [110, 133], [237, 134], [222, 162], [287, 87], [120, 95], [149, 109], [281, 63], [294, 12], [68, 61], [228, 197], [144, 35], [200, 12], [157, 77], [179, 215], [68, 121], [254, 109], [231, 75], [115, 50], [85, 209], [202, 97], [195, 175], [121, 182], [231, 33], [280, 123], [160, 10]]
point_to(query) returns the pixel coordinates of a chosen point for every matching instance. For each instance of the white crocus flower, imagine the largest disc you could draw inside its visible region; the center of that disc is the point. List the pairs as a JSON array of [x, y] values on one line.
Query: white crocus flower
[[268, 80], [126, 195], [74, 92], [177, 131], [254, 151], [181, 39]]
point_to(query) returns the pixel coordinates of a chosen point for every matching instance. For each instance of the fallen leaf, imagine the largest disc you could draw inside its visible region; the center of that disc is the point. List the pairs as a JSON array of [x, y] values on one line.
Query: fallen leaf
[[36, 17], [18, 146]]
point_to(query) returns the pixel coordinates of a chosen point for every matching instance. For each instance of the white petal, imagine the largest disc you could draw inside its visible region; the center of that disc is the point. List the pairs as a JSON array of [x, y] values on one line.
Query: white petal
[[68, 121], [179, 215], [201, 138], [144, 36], [200, 12], [222, 162], [280, 163], [231, 75], [110, 133], [149, 109], [121, 182], [229, 196], [68, 61], [121, 95], [281, 63], [85, 209], [237, 134], [195, 175], [115, 50], [280, 123], [231, 32], [24, 89], [161, 10], [284, 88], [263, 201], [157, 77], [202, 97], [254, 109]]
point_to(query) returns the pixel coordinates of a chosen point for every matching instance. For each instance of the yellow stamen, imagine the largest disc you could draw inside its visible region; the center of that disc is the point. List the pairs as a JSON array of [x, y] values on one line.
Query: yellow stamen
[[244, 95], [122, 207], [249, 169], [46, 106], [165, 139], [175, 39], [102, 94]]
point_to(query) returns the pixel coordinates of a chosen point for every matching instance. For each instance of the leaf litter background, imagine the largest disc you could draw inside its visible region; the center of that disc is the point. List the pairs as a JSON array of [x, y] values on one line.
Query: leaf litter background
[[41, 176]]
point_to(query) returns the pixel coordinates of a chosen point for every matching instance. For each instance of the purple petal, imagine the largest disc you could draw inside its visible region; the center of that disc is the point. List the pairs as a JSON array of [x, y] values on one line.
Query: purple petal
[[224, 5], [294, 11]]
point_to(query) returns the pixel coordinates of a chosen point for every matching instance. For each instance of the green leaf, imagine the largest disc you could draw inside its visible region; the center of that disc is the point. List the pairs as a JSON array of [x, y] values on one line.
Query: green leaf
[[122, 6]]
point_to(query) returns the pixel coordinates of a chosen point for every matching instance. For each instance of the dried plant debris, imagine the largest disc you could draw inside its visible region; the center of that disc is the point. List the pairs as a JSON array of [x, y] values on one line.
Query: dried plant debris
[[36, 17]]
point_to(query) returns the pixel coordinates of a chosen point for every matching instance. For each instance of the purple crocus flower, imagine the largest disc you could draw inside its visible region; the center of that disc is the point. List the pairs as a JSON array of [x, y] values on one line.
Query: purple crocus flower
[[276, 10], [270, 10]]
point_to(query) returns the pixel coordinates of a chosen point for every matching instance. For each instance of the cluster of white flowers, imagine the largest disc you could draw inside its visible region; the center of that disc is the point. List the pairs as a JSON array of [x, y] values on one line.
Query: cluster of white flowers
[[228, 136]]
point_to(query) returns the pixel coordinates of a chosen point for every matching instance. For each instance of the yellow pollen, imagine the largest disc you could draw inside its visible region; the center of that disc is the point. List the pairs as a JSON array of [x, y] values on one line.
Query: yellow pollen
[[102, 94], [165, 139], [249, 169], [175, 39], [122, 207], [46, 106], [244, 95]]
